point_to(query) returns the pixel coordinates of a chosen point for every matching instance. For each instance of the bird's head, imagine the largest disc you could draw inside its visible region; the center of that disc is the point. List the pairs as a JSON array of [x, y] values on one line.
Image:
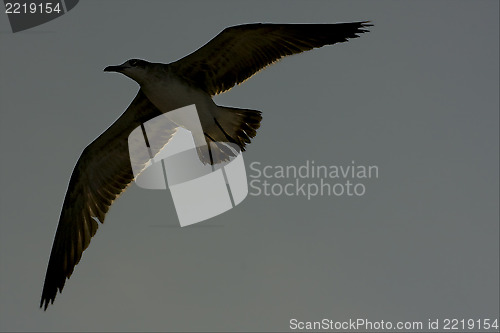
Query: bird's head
[[136, 69]]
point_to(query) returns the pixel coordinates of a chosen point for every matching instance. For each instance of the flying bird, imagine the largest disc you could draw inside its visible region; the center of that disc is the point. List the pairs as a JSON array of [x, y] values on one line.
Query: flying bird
[[104, 171]]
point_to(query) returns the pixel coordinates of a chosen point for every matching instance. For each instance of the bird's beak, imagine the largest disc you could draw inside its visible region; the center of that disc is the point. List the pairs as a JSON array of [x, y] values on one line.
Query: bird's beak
[[115, 68]]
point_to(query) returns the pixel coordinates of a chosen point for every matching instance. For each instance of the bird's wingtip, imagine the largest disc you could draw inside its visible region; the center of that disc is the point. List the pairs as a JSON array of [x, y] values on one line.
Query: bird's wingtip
[[42, 305], [45, 301], [364, 24]]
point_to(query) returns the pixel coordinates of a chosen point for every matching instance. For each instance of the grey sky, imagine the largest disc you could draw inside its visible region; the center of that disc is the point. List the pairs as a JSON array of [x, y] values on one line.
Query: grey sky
[[417, 96]]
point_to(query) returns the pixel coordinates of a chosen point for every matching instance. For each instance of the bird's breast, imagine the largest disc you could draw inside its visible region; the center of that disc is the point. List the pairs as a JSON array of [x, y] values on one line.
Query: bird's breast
[[170, 93]]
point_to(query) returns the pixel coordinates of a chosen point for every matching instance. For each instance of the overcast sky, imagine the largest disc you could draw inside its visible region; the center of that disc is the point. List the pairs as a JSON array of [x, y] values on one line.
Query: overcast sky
[[417, 97]]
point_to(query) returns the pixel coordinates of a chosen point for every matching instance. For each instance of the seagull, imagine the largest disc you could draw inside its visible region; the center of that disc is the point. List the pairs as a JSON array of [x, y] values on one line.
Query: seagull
[[104, 171]]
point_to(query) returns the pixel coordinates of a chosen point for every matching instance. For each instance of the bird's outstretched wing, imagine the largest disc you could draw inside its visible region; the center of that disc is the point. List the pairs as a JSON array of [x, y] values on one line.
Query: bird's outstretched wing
[[101, 174], [238, 52]]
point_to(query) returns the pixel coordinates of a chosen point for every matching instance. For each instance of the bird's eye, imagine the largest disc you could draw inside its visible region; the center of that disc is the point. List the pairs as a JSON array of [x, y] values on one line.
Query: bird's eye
[[133, 62]]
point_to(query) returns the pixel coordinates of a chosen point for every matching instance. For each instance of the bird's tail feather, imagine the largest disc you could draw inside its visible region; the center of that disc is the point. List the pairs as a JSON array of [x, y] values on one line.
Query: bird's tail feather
[[233, 126], [237, 125]]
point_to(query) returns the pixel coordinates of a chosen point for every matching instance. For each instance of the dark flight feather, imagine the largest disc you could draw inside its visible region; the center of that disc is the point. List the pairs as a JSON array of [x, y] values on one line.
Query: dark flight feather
[[239, 52]]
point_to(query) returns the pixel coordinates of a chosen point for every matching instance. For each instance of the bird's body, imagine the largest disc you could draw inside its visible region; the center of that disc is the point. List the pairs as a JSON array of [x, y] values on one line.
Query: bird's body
[[104, 168], [169, 92]]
